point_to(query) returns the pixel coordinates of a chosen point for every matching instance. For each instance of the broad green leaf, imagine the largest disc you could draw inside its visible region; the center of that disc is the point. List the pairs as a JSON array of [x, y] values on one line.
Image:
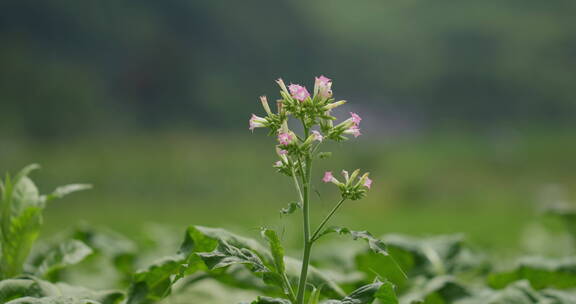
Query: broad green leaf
[[108, 243], [154, 283], [540, 272], [226, 255], [34, 289], [21, 209], [218, 252], [60, 256], [52, 300], [368, 293]]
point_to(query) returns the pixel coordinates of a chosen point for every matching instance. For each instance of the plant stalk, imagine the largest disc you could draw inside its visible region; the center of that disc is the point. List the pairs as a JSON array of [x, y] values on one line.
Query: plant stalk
[[306, 224]]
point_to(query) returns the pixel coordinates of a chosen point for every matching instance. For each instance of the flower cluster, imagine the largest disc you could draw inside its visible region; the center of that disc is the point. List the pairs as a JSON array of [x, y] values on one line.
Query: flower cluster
[[353, 187], [314, 111]]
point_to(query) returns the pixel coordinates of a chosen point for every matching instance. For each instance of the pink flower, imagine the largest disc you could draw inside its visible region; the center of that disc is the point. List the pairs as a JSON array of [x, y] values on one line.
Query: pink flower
[[317, 136], [328, 177], [322, 86], [285, 138], [282, 152], [256, 122], [278, 164], [298, 92], [368, 183], [323, 80], [354, 130], [355, 118]]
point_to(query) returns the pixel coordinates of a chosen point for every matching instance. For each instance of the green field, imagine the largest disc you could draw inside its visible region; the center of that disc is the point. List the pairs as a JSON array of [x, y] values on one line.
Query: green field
[[488, 187]]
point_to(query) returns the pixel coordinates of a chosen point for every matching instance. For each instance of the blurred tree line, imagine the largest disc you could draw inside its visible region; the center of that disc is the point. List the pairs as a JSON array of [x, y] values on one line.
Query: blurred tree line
[[77, 67]]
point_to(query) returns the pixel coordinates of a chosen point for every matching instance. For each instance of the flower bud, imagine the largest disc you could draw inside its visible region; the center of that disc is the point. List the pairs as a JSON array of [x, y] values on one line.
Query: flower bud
[[280, 82], [265, 105], [333, 105]]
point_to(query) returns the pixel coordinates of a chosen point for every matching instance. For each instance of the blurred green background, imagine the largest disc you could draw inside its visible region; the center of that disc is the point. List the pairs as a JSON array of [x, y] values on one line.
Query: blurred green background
[[469, 109]]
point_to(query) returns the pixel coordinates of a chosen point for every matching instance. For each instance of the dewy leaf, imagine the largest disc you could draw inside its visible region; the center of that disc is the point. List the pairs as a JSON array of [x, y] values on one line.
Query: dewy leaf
[[368, 293], [540, 272], [60, 256]]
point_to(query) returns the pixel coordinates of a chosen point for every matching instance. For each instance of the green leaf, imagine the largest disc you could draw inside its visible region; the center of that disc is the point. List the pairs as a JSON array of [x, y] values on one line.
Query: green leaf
[[368, 293], [21, 209], [219, 253], [268, 300], [540, 272], [60, 256], [34, 290], [441, 289], [62, 191], [276, 249], [52, 300], [154, 283], [374, 244], [290, 208], [226, 255]]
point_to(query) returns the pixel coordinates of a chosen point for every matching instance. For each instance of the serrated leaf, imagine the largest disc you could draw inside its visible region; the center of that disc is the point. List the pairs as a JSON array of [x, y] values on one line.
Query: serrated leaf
[[276, 249]]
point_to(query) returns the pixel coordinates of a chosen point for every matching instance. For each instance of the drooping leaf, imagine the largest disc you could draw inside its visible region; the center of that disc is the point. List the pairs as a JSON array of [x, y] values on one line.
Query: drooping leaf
[[368, 293], [374, 244], [540, 272]]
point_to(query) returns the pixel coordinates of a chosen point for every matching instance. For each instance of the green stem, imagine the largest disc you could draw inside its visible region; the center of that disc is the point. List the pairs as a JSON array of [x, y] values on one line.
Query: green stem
[[316, 233], [306, 224]]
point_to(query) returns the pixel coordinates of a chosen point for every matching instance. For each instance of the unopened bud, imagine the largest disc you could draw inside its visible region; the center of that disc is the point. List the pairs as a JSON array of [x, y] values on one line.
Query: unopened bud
[[265, 105]]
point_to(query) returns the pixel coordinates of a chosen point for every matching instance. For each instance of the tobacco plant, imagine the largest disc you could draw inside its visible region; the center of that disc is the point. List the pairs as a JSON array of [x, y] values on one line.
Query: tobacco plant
[[298, 150]]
